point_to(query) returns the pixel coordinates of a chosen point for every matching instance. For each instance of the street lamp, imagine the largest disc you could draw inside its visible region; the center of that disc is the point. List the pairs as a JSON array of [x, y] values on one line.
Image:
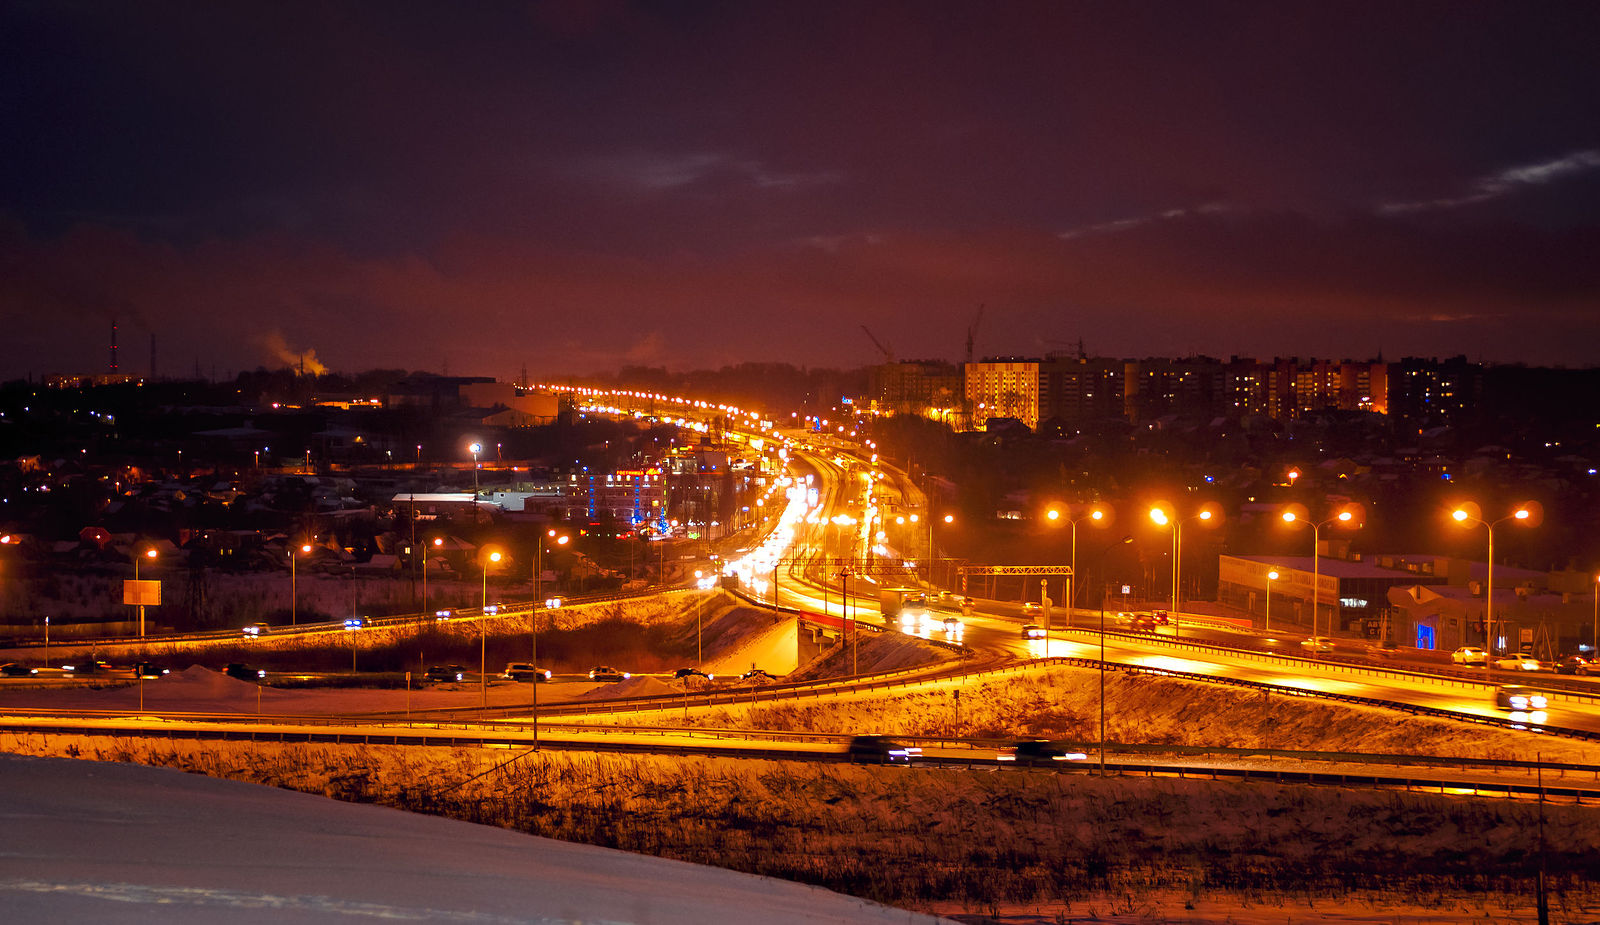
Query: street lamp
[[294, 586], [1528, 514], [483, 629], [1098, 560], [948, 519], [1097, 515], [538, 573], [476, 448], [844, 593], [436, 542], [699, 652], [1272, 575], [149, 553], [1164, 516], [1346, 517]]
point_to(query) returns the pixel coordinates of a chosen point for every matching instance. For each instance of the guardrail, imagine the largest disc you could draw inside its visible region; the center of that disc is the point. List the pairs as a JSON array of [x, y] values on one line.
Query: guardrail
[[264, 729], [1338, 665], [515, 608]]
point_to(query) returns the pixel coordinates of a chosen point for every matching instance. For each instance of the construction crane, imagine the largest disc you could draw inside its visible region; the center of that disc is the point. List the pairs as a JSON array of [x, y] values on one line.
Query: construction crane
[[888, 355], [972, 331]]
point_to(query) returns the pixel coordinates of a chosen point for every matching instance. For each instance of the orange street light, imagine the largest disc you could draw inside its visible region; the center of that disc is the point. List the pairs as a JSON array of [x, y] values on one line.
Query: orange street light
[[294, 585], [149, 553], [1349, 516], [1098, 515], [1529, 514], [483, 631], [1164, 515], [1272, 575]]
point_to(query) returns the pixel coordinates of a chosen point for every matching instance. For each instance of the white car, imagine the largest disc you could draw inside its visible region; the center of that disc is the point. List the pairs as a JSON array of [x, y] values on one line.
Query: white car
[[1469, 655], [1516, 697], [1517, 663], [1318, 645]]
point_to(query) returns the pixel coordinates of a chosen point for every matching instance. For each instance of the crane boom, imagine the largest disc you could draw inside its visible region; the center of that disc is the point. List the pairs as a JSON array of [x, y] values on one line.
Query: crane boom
[[888, 355]]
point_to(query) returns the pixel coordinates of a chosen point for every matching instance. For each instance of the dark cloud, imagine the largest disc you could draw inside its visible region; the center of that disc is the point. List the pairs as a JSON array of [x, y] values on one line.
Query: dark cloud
[[570, 184]]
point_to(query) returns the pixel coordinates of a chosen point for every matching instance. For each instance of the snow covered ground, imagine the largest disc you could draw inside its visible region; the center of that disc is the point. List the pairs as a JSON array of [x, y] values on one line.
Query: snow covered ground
[[107, 842]]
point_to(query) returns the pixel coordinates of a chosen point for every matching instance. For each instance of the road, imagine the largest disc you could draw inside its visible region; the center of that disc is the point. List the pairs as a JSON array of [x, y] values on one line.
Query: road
[[835, 527]]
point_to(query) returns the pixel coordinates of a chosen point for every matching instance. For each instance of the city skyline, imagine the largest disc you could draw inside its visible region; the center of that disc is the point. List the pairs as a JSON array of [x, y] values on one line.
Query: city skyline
[[574, 187]]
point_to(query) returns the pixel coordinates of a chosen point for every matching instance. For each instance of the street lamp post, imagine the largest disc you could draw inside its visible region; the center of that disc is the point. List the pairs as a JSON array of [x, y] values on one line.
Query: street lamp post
[[294, 586], [1096, 514], [476, 448], [1100, 559], [149, 553], [1272, 575], [483, 631], [699, 651], [1343, 517], [844, 593], [436, 542], [538, 574], [1163, 518], [1594, 643], [1470, 514]]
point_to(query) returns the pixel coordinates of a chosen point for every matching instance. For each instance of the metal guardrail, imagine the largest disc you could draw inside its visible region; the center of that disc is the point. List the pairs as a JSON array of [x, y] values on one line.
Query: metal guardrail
[[461, 614], [510, 737], [1346, 666], [1284, 690]]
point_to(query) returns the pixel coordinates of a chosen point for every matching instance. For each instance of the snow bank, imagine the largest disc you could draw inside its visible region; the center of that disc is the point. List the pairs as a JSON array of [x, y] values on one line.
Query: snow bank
[[108, 842]]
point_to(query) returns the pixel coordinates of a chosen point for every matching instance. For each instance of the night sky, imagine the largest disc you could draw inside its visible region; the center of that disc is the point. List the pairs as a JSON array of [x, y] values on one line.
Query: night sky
[[474, 187]]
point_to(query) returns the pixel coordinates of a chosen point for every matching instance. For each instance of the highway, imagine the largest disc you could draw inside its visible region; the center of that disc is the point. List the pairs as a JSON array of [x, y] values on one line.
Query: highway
[[807, 537]]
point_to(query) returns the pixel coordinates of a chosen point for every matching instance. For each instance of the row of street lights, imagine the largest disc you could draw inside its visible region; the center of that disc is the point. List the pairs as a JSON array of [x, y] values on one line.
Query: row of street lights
[[1350, 515]]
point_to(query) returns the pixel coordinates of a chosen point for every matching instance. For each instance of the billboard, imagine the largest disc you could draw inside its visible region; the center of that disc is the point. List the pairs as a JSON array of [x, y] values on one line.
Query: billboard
[[141, 593]]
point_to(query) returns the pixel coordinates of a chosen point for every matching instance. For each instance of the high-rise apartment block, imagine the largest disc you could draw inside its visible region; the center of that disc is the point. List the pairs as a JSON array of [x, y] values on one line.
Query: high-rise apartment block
[[1072, 391]]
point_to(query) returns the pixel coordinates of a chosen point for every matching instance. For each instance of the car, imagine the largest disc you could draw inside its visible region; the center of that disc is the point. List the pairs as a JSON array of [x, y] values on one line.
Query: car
[[88, 666], [1162, 619], [443, 616], [953, 629], [1143, 623], [1517, 662], [877, 749], [1469, 655], [147, 671], [684, 673], [492, 609], [1032, 607], [1383, 649], [1317, 645], [607, 673], [1572, 664], [1039, 752], [756, 676], [1032, 631], [525, 671], [244, 672], [1517, 697], [16, 670], [253, 630], [445, 673], [355, 623]]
